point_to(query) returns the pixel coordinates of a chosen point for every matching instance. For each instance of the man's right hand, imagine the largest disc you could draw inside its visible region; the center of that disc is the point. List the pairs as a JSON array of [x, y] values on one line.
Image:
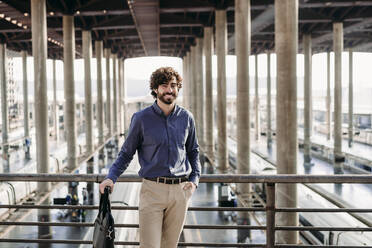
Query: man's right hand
[[106, 183]]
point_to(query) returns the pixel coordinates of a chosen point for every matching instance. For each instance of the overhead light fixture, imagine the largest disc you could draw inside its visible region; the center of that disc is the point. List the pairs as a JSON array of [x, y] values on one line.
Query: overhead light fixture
[[24, 27], [51, 13], [104, 11], [14, 21], [78, 12], [25, 14], [2, 15], [19, 24], [8, 18], [328, 3], [49, 38]]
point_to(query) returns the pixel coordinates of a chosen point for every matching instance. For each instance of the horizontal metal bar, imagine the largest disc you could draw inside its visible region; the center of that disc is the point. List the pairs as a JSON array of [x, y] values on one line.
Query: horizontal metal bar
[[215, 178], [90, 224], [326, 210], [278, 228], [316, 246], [323, 228], [63, 241], [94, 207]]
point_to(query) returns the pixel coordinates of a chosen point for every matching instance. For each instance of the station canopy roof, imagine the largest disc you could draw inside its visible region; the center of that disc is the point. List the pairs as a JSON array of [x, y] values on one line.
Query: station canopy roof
[[134, 28]]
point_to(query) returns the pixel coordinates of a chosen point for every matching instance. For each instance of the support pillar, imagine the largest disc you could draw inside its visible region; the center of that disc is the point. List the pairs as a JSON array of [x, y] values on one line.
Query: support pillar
[[268, 105], [242, 51], [256, 101], [350, 98], [185, 81], [190, 80], [199, 91], [193, 82], [221, 51], [286, 40], [307, 100], [27, 141], [126, 126], [328, 99], [338, 42], [120, 100], [108, 91], [55, 103], [4, 106], [100, 117], [115, 98], [209, 121], [69, 89], [39, 51], [87, 55]]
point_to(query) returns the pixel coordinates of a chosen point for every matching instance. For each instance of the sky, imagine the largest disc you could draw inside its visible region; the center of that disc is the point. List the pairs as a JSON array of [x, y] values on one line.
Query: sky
[[141, 68]]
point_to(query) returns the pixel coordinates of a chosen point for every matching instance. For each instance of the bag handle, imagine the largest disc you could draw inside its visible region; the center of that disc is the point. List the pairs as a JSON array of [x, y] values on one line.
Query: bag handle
[[104, 203]]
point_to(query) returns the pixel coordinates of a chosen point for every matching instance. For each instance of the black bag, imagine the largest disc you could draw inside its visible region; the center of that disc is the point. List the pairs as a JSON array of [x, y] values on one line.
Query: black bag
[[104, 232]]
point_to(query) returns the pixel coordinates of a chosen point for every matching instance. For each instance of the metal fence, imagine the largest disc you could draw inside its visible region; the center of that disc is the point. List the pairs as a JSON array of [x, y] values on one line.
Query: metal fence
[[270, 208]]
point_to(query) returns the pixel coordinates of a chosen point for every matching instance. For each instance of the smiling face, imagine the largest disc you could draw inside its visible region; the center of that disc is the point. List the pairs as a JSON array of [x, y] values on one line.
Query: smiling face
[[167, 92]]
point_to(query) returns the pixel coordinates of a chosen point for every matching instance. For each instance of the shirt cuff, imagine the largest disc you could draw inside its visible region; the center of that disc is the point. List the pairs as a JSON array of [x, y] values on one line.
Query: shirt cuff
[[195, 180]]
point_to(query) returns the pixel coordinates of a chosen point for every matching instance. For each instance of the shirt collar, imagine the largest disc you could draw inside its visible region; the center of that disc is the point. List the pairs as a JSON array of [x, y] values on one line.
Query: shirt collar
[[158, 110]]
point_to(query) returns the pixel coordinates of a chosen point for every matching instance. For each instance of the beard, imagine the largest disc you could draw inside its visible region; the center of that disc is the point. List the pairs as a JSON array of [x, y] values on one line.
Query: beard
[[167, 98]]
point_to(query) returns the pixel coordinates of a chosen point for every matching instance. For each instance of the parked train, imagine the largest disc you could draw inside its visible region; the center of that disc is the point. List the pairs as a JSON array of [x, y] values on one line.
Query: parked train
[[309, 199]]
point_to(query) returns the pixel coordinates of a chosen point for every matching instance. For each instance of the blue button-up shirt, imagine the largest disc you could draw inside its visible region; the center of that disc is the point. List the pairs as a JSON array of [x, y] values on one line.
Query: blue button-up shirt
[[167, 145]]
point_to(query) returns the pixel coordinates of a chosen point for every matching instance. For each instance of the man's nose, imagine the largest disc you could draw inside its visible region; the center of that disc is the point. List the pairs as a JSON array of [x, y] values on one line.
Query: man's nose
[[169, 89]]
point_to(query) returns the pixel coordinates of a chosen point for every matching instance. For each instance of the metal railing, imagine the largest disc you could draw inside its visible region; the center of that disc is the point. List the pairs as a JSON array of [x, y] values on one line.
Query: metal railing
[[270, 208]]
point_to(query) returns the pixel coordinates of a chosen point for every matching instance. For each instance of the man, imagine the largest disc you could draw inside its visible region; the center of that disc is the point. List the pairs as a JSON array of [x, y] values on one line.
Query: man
[[164, 136]]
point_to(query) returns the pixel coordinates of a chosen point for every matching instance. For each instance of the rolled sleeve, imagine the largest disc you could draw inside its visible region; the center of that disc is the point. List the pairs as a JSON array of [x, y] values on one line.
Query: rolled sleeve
[[128, 149], [192, 152]]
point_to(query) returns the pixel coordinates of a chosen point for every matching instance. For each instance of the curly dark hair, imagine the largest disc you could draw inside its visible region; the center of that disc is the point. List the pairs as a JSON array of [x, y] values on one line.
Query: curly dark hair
[[163, 75]]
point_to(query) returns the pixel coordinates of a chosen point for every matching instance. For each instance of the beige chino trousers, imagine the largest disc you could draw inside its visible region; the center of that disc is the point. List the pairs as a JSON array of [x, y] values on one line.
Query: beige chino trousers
[[162, 213]]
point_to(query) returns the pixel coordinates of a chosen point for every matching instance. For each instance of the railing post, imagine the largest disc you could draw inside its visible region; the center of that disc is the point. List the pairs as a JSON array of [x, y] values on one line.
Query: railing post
[[270, 215]]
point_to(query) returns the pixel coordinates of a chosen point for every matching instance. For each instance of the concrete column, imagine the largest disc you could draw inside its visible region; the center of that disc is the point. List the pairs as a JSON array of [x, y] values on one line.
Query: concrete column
[[108, 91], [55, 103], [39, 52], [350, 97], [256, 101], [87, 55], [307, 99], [209, 121], [69, 89], [221, 51], [126, 126], [4, 106], [25, 106], [120, 99], [184, 83], [268, 105], [242, 51], [328, 98], [338, 42], [200, 91], [286, 39], [115, 95], [193, 82], [99, 53]]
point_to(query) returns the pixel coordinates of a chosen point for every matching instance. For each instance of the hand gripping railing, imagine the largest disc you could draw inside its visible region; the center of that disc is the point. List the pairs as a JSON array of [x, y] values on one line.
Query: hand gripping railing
[[270, 209]]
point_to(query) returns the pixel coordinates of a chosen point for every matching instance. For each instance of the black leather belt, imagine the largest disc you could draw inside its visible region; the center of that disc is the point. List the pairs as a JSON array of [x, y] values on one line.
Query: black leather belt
[[168, 180]]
